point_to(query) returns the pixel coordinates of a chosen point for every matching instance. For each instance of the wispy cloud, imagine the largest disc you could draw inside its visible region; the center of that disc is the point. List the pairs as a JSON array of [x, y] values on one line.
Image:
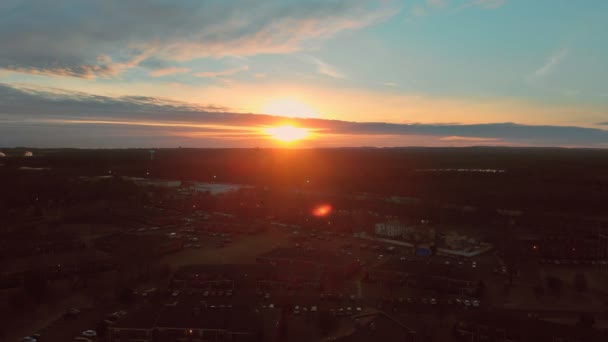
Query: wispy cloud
[[390, 84], [326, 69], [222, 73], [472, 139], [168, 71], [61, 45], [553, 61]]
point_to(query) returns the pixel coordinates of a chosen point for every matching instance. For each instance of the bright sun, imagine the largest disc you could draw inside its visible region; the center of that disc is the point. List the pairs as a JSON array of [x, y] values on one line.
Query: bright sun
[[289, 108], [287, 133]]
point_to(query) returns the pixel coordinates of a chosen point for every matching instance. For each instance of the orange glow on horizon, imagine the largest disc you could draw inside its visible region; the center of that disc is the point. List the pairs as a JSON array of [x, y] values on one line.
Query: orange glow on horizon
[[322, 210], [287, 133]]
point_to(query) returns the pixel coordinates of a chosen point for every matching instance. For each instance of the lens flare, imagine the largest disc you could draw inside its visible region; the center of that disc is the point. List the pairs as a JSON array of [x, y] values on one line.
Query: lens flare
[[322, 210]]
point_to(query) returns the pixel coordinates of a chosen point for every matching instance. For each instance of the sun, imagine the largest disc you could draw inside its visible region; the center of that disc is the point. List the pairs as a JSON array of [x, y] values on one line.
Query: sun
[[287, 133], [289, 108]]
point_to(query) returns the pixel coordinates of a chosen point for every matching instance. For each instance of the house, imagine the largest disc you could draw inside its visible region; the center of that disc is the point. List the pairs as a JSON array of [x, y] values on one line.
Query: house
[[390, 229]]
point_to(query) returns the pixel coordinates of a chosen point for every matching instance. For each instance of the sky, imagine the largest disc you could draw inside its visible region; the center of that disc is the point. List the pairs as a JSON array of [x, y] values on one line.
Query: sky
[[217, 73]]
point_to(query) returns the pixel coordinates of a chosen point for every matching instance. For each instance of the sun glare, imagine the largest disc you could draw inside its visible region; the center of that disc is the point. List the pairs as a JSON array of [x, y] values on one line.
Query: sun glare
[[287, 133], [289, 108]]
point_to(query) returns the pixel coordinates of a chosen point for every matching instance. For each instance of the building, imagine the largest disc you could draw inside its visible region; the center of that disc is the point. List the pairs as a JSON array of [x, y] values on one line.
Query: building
[[390, 229]]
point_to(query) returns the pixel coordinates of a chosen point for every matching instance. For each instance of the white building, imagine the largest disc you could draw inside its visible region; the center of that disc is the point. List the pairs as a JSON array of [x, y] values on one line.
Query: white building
[[390, 229]]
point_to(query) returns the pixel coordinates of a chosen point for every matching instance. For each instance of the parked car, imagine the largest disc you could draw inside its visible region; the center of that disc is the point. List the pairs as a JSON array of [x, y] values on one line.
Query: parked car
[[89, 333]]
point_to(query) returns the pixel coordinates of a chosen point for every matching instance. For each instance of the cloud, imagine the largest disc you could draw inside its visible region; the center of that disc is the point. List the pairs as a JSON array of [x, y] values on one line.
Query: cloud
[[168, 71], [68, 38], [390, 84], [553, 61], [222, 73], [326, 69], [53, 117], [472, 139]]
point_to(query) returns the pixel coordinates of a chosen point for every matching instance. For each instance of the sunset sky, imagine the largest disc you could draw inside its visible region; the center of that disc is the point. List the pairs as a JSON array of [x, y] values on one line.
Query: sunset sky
[[167, 73]]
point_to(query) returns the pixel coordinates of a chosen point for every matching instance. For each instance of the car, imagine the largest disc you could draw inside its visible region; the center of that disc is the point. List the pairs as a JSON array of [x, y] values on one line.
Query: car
[[467, 302], [352, 297], [304, 309], [313, 308], [380, 257], [402, 258], [175, 293], [433, 301], [458, 301], [340, 312], [447, 262], [349, 310], [475, 303], [28, 339], [267, 295], [206, 294], [410, 300], [358, 309], [229, 293], [270, 306], [89, 333], [296, 310]]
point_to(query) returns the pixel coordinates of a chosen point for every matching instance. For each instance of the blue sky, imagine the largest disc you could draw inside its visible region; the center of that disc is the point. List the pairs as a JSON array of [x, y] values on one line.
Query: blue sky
[[439, 63]]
